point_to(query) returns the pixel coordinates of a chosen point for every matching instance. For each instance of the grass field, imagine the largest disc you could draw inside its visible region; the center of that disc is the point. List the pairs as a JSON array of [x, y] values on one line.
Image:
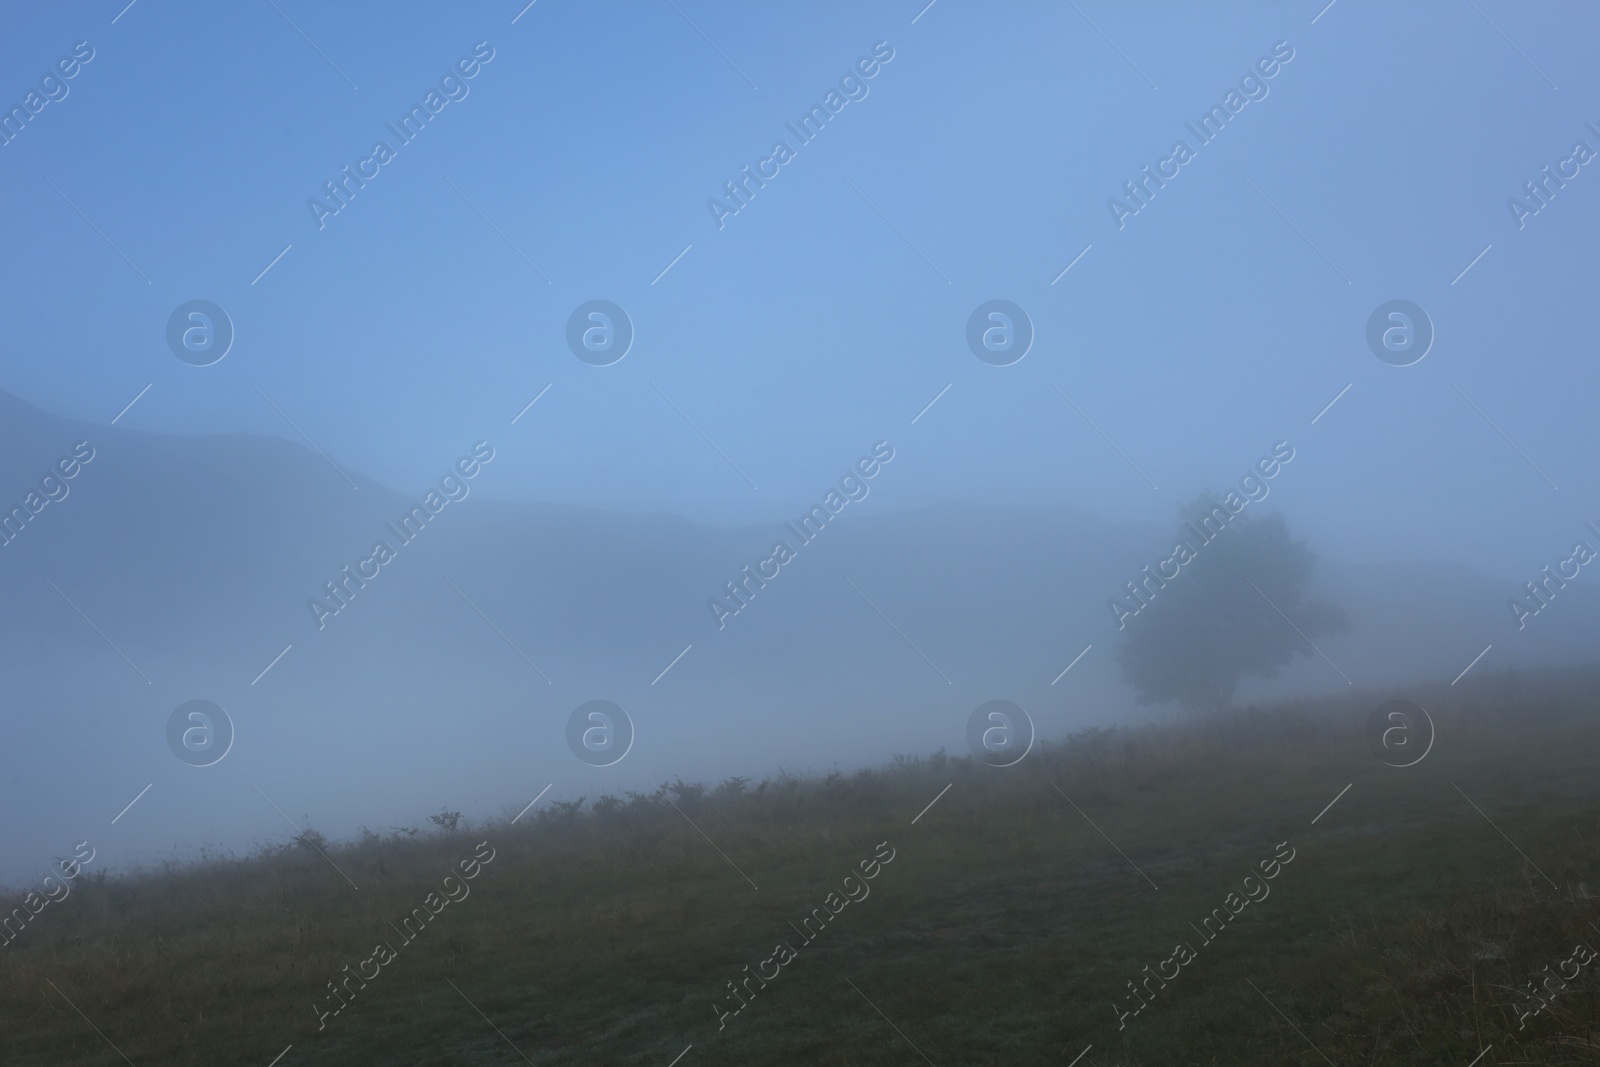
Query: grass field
[[1007, 928]]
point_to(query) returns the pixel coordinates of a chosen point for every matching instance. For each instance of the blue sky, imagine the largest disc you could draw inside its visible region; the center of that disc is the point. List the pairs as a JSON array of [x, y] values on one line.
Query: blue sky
[[832, 309]]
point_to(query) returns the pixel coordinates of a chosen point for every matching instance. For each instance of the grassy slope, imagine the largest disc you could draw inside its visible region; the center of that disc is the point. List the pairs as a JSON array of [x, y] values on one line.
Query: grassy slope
[[1000, 934]]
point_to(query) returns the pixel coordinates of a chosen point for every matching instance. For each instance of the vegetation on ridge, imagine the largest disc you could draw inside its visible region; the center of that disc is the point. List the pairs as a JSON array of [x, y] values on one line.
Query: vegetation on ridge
[[1017, 910]]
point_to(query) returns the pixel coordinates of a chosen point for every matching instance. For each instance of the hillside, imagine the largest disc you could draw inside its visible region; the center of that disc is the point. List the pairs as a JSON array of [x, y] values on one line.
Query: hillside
[[973, 914], [449, 678]]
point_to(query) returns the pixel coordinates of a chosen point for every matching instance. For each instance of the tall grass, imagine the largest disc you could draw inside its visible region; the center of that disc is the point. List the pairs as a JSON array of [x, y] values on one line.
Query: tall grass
[[1015, 912]]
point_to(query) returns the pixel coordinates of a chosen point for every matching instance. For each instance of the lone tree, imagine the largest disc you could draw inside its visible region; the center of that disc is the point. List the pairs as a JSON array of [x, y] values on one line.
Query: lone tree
[[1235, 607]]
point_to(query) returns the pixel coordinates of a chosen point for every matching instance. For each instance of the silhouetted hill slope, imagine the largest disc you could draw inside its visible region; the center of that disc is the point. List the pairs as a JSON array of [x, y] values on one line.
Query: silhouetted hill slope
[[984, 912], [452, 672]]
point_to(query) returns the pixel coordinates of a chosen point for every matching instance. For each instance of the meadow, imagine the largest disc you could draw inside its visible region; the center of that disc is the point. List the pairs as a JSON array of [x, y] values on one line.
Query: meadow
[[1431, 913]]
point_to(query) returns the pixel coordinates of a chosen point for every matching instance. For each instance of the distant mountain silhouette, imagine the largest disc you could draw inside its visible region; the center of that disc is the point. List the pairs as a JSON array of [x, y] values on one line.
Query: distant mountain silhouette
[[195, 557]]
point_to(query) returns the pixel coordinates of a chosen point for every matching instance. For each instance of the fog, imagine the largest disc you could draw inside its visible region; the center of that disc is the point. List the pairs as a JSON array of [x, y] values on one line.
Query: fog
[[980, 322]]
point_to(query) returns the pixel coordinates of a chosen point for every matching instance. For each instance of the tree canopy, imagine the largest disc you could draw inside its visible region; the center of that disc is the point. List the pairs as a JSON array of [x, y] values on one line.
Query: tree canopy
[[1236, 607]]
